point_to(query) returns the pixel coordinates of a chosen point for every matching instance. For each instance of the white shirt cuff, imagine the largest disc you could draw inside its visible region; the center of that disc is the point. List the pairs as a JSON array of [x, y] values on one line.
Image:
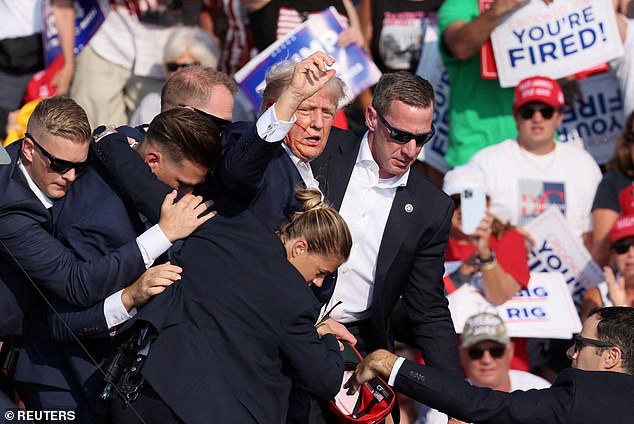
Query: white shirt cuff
[[270, 128], [395, 369], [152, 243], [114, 311]]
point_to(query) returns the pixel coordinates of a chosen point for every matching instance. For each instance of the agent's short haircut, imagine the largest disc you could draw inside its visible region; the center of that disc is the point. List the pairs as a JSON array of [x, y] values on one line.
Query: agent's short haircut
[[616, 326], [183, 133], [409, 88], [279, 76], [192, 86], [60, 116]]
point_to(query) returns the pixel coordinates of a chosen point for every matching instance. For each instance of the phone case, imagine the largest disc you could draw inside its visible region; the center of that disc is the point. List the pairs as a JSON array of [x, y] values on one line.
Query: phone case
[[473, 207]]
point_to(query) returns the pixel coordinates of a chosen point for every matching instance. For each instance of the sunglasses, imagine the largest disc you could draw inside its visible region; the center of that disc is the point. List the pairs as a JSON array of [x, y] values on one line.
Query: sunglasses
[[60, 165], [623, 246], [173, 66], [527, 112], [219, 122], [581, 341], [404, 137], [496, 352]]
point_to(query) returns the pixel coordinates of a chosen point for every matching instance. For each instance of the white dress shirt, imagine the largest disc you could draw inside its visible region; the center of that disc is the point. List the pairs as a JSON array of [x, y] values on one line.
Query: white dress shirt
[[365, 208]]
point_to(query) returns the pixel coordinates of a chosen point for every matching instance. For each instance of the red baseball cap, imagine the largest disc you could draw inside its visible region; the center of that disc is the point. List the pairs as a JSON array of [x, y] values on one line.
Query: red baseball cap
[[538, 89], [623, 227]]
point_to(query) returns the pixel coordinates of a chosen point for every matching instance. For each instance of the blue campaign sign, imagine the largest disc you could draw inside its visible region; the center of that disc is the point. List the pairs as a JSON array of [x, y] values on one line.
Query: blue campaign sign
[[320, 32], [88, 19]]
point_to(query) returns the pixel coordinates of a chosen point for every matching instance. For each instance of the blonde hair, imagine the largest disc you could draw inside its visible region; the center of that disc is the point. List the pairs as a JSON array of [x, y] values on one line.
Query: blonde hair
[[320, 225], [62, 117]]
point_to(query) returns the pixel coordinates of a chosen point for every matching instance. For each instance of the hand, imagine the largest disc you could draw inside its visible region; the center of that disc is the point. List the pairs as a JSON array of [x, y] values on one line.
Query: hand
[[379, 362], [309, 76], [502, 7], [482, 234], [341, 332], [152, 282], [180, 219], [349, 36], [616, 289], [61, 80]]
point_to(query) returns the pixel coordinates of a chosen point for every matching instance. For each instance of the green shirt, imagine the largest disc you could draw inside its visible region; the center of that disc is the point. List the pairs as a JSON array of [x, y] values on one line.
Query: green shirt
[[479, 109]]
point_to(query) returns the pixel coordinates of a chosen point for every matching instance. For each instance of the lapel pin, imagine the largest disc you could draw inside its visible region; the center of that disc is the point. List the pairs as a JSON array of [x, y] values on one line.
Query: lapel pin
[[409, 208]]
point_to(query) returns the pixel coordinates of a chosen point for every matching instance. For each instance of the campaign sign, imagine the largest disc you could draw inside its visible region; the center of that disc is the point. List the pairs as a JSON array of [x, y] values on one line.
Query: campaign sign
[[88, 19], [319, 32], [596, 121], [544, 309], [556, 249], [556, 40], [433, 70]]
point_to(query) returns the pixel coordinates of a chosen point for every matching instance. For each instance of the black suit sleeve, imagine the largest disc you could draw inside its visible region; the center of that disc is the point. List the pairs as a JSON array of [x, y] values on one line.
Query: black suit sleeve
[[461, 400], [318, 363], [426, 305], [56, 269], [131, 175]]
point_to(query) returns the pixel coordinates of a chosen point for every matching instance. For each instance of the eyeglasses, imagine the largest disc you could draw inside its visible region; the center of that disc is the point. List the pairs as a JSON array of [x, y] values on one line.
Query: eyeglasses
[[581, 341], [623, 246], [403, 137], [457, 201], [496, 352], [60, 165], [527, 112], [219, 122], [173, 66]]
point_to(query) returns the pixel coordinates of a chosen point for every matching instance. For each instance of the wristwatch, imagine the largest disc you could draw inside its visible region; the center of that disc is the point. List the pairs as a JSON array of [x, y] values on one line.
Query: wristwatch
[[100, 132], [486, 261]]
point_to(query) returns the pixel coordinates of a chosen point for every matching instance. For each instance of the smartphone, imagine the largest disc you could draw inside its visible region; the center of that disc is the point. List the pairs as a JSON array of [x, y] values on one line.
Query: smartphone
[[473, 206]]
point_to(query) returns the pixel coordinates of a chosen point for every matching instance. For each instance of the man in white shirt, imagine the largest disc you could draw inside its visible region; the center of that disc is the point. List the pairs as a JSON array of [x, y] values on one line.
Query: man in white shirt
[[486, 352], [527, 175], [399, 223]]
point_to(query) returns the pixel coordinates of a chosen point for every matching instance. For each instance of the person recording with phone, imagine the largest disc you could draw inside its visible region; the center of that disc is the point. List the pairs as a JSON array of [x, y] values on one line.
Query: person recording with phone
[[494, 256]]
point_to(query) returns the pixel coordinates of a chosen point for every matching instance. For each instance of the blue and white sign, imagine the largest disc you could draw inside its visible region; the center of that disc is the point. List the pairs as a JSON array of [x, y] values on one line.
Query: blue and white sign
[[88, 19], [556, 40], [319, 32]]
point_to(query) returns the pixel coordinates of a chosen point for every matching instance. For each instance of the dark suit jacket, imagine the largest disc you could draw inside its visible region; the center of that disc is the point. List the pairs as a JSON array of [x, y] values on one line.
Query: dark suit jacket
[[92, 221], [576, 397], [410, 262], [27, 244], [258, 174], [240, 313]]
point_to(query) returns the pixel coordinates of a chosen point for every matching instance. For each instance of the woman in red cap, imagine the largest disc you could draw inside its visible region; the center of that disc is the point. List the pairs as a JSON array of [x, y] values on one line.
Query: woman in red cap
[[618, 287]]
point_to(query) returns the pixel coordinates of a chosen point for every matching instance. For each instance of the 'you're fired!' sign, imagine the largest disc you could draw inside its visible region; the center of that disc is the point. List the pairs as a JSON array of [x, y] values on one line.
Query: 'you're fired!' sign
[[556, 40]]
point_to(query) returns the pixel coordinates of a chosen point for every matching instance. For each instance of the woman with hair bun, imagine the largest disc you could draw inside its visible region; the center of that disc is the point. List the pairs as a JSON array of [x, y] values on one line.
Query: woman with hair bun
[[226, 337]]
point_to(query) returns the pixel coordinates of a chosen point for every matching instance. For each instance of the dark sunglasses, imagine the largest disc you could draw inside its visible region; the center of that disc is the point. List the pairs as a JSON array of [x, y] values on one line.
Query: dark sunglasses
[[527, 112], [60, 165], [623, 246], [403, 137], [581, 341], [496, 352], [457, 201], [219, 122], [173, 66]]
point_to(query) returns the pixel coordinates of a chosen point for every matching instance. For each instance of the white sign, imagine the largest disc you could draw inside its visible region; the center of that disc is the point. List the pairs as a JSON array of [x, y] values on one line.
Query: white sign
[[556, 40], [596, 121], [433, 70], [544, 310], [556, 249]]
